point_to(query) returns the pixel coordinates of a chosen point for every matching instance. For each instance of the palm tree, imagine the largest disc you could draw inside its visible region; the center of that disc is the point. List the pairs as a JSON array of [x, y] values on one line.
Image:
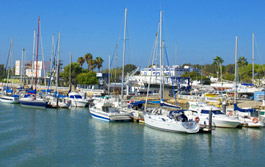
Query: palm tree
[[93, 64], [88, 58], [218, 60], [242, 61], [81, 61], [99, 62]]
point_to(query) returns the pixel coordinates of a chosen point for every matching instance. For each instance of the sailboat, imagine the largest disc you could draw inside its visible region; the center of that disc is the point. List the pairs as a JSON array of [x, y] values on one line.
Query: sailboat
[[7, 95], [104, 109], [168, 119], [56, 100], [30, 99], [249, 117]]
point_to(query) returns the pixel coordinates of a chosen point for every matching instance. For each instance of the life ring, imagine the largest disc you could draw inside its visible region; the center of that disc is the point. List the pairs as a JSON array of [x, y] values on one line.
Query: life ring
[[197, 119], [230, 113], [255, 120]]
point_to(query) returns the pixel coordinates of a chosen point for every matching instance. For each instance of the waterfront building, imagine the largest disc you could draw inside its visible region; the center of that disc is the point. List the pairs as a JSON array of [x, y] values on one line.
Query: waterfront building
[[26, 68]]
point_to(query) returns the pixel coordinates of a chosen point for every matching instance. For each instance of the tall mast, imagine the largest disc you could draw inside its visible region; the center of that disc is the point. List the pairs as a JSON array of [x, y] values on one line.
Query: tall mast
[[160, 44], [52, 52], [38, 35], [116, 58], [43, 63], [123, 57], [235, 84], [10, 60], [70, 72], [176, 54], [23, 72], [58, 63], [201, 71], [163, 64], [22, 67], [33, 55], [109, 78], [253, 38]]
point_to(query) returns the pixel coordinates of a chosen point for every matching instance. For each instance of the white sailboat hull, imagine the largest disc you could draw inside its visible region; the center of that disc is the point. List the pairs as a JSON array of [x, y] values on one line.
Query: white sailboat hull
[[162, 122]]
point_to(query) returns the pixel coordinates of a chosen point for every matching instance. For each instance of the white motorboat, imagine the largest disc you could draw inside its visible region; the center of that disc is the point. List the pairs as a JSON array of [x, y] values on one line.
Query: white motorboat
[[249, 117], [162, 119], [104, 110], [77, 100], [219, 119], [62, 102], [14, 99]]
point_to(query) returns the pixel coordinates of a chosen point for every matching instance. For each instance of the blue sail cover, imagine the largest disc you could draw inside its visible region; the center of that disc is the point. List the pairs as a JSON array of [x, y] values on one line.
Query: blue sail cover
[[48, 91], [169, 105], [243, 110], [154, 102], [137, 103], [32, 91], [8, 90], [247, 84], [59, 95]]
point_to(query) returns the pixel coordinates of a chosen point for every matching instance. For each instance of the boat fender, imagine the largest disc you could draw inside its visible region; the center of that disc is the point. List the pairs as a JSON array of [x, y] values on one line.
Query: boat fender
[[197, 119], [255, 120]]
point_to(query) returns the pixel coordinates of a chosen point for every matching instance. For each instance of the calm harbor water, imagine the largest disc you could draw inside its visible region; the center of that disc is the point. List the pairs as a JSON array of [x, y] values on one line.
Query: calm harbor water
[[50, 137]]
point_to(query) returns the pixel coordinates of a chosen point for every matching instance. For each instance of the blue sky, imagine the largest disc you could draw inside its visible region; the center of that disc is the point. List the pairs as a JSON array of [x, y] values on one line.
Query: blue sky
[[201, 29]]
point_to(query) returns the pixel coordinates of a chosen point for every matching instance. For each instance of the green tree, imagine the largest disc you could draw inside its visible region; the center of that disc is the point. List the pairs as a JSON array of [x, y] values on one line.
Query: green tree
[[76, 69], [99, 62], [89, 58], [218, 60], [87, 78], [194, 76], [81, 61], [242, 61], [129, 68]]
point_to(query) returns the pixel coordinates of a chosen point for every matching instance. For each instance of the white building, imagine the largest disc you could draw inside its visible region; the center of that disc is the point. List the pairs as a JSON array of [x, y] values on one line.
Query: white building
[[27, 68], [152, 75]]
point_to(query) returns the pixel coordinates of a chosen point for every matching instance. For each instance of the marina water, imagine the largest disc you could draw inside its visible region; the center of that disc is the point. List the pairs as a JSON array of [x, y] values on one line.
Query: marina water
[[50, 137]]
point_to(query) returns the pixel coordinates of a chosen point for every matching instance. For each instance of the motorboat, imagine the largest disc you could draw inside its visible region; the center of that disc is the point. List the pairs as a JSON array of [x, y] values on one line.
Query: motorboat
[[77, 100], [219, 119], [63, 102], [8, 97], [105, 111], [249, 117], [13, 99]]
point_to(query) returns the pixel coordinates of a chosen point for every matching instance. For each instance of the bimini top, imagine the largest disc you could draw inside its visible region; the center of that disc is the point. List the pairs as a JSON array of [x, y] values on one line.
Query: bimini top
[[243, 110]]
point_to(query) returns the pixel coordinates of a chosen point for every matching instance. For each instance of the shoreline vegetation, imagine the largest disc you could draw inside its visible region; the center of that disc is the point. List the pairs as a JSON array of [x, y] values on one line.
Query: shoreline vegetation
[[83, 76]]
